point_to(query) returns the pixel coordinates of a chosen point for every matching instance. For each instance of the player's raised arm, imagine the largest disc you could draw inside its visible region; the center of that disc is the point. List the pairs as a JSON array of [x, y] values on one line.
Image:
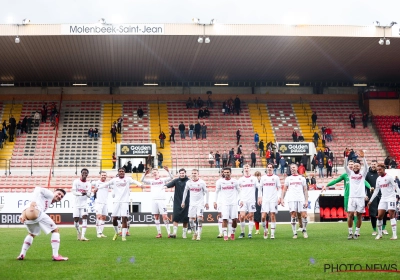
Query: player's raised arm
[[346, 168], [365, 170], [144, 176], [169, 173]]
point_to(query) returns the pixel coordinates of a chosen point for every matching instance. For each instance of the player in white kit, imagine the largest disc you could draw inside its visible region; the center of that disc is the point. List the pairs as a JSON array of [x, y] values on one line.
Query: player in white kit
[[101, 193], [269, 197], [388, 187], [297, 198], [247, 204], [230, 190], [357, 196], [121, 186], [198, 190], [35, 219], [157, 188], [81, 189]]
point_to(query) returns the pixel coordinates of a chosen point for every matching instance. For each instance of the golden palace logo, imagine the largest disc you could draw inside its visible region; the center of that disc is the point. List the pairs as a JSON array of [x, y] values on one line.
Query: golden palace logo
[[283, 148], [125, 149]]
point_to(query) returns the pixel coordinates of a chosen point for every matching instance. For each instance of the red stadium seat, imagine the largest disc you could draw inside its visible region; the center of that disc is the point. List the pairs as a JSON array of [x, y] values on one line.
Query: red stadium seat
[[321, 212], [340, 213], [327, 213], [334, 213]]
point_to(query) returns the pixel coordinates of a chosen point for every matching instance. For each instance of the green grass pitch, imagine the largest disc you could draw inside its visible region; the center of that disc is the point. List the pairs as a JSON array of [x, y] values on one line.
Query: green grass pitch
[[143, 256]]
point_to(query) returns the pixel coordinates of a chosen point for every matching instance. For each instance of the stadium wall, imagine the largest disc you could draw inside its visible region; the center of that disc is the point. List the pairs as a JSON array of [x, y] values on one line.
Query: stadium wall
[[385, 107]]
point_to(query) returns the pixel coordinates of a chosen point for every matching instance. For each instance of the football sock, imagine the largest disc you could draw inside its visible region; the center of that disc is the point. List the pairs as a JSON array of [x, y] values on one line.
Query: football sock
[[102, 225], [357, 231], [199, 226], [77, 226], [193, 226], [251, 224], [224, 231], [175, 229], [242, 226], [55, 243], [220, 225], [184, 231], [27, 243], [394, 226], [264, 226], [355, 221], [116, 229], [84, 226], [305, 222], [257, 224], [293, 223], [267, 221], [124, 230], [167, 227], [379, 224], [273, 228], [98, 226], [229, 225], [233, 230], [158, 226], [350, 230]]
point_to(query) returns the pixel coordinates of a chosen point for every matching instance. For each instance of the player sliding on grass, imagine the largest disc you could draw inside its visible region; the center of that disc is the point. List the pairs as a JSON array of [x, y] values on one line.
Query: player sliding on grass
[[81, 189], [35, 219], [198, 190], [269, 197], [344, 177], [157, 185], [230, 190], [357, 195], [388, 187], [296, 187], [248, 185]]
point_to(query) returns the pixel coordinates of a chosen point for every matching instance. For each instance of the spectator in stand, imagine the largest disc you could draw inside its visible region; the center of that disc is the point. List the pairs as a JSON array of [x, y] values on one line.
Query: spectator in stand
[[301, 169], [282, 163], [237, 105], [395, 127], [331, 156], [225, 108], [365, 120], [268, 156], [387, 162], [238, 135], [329, 166], [276, 165], [261, 148], [119, 124], [29, 125], [11, 133], [314, 118], [19, 128], [200, 114], [149, 161], [160, 159], [327, 151], [199, 103], [191, 128], [393, 163], [313, 182], [253, 159], [209, 102], [204, 131], [43, 112], [304, 160], [352, 118], [90, 132], [239, 150], [320, 155], [113, 132], [172, 134], [314, 162], [53, 112], [182, 128], [315, 139], [189, 103], [211, 159], [323, 136], [397, 181], [140, 112], [321, 168], [162, 137], [95, 133], [294, 135], [217, 157], [225, 158], [55, 121], [301, 138], [36, 118], [115, 125], [328, 134], [346, 152], [206, 113], [197, 130], [114, 160], [140, 167], [242, 161], [231, 160]]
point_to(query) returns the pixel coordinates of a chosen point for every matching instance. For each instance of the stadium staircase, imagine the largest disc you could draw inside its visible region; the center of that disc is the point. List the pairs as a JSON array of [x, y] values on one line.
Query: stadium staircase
[[74, 147], [158, 122], [7, 151], [134, 129], [390, 139], [303, 115], [283, 120], [335, 115], [35, 149], [110, 113]]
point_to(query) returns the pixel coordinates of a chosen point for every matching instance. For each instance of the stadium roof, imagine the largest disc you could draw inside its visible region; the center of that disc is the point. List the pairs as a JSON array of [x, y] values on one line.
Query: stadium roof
[[240, 55]]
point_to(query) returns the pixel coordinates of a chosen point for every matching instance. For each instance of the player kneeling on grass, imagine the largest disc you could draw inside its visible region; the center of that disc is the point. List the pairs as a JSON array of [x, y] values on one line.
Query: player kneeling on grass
[[198, 190], [269, 197], [35, 219], [388, 187], [248, 185], [296, 188]]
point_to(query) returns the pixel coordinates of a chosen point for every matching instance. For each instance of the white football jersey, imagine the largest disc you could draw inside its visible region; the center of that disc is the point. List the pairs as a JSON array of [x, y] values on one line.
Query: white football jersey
[[270, 188], [295, 188], [79, 187], [122, 188], [229, 190], [43, 198], [102, 191], [197, 191], [248, 187], [157, 187], [388, 187], [357, 181]]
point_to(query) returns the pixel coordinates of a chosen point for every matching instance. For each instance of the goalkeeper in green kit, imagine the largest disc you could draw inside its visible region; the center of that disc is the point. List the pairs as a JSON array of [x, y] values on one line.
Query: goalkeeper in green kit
[[344, 177]]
